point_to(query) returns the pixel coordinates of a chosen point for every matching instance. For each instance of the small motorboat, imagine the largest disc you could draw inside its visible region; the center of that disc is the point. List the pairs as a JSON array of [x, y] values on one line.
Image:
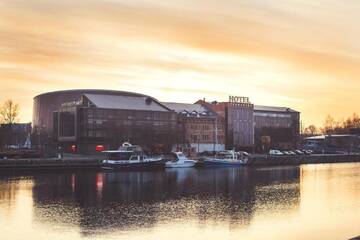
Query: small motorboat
[[128, 157], [226, 158], [179, 160]]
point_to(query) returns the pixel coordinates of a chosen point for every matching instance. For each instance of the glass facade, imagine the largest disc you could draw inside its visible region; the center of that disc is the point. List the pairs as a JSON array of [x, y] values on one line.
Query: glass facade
[[279, 130], [111, 127]]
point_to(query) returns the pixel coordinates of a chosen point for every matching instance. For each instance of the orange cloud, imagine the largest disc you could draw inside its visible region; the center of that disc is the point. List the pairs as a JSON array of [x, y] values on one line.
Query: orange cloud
[[303, 55]]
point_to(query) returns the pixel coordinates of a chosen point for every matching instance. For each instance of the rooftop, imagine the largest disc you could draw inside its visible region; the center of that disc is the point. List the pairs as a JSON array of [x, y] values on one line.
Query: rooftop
[[320, 137], [91, 91], [126, 102], [190, 110], [273, 109], [188, 107]]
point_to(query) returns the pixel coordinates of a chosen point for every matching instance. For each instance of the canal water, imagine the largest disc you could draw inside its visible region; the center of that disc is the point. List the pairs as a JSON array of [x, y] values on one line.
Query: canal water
[[308, 202]]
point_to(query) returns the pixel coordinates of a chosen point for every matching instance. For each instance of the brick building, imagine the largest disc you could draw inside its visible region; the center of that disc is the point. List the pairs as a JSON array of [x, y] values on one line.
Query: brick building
[[199, 129], [238, 115], [256, 128]]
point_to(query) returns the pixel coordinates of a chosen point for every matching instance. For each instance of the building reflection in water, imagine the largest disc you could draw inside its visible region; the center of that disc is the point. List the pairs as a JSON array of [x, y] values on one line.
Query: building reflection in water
[[125, 201]]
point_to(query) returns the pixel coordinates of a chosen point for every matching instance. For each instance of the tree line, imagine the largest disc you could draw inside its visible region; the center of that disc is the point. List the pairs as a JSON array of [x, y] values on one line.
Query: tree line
[[333, 126]]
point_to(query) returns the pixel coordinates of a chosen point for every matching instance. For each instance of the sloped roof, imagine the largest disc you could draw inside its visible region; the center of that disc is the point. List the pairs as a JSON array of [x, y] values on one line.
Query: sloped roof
[[189, 107], [126, 102], [320, 137], [273, 109]]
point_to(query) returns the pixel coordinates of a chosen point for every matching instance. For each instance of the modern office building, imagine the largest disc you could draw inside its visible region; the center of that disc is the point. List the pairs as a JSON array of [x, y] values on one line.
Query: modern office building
[[199, 129], [276, 127], [45, 104], [111, 119]]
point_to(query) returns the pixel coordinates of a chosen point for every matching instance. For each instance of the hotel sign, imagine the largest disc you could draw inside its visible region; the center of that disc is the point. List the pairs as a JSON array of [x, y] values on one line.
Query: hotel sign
[[238, 100]]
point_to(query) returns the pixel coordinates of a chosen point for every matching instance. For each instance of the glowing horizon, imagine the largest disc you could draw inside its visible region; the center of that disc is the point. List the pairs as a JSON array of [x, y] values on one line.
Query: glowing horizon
[[299, 54]]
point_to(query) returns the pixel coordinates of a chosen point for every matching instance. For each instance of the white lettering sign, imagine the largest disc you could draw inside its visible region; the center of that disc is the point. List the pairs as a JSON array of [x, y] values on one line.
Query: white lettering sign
[[236, 99]]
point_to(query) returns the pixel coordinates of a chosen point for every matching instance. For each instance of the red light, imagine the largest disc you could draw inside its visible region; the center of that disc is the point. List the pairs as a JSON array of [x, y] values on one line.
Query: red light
[[100, 148], [73, 148]]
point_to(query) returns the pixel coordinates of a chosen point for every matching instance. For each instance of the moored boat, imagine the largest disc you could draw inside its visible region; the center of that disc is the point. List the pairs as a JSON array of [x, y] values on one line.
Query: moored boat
[[228, 158], [179, 160], [129, 157]]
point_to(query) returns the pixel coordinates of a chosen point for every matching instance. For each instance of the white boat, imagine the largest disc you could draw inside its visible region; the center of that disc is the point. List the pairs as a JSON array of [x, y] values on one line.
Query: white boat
[[179, 160], [226, 158], [130, 156]]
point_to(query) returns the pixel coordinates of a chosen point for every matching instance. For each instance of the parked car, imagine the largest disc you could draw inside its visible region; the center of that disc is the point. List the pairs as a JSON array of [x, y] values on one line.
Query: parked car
[[288, 153], [299, 152], [246, 154], [308, 152], [292, 152], [276, 152]]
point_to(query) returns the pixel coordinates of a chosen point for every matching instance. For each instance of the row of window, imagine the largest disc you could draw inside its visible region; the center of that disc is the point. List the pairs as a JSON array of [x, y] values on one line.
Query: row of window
[[98, 123], [199, 126], [198, 138], [128, 114]]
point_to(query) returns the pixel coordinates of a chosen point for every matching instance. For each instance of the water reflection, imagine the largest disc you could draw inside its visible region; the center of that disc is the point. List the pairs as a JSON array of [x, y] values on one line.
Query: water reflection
[[307, 202], [97, 202]]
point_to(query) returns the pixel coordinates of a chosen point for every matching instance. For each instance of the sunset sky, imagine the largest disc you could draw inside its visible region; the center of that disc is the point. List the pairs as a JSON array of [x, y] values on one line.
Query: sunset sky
[[295, 53]]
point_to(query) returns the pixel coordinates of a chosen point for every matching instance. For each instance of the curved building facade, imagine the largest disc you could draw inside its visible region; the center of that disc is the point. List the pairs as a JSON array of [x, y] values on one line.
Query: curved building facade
[[46, 104]]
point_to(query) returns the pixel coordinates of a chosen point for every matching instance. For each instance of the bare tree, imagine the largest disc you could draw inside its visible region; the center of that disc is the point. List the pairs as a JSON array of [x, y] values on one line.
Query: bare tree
[[9, 112], [329, 125], [311, 130], [352, 122], [332, 126]]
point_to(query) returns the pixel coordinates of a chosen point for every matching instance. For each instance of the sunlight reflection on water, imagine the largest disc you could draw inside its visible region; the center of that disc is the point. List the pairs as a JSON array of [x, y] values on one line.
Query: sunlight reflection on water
[[307, 202]]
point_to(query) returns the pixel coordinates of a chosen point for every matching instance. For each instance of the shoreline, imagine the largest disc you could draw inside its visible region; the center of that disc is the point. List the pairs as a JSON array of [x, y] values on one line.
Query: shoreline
[[95, 162]]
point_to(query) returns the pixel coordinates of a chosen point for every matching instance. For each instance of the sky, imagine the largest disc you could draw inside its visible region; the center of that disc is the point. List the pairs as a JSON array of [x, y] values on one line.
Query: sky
[[295, 53]]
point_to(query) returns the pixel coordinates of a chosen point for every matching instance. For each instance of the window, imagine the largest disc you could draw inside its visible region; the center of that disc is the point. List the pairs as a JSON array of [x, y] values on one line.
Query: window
[[205, 137], [194, 138]]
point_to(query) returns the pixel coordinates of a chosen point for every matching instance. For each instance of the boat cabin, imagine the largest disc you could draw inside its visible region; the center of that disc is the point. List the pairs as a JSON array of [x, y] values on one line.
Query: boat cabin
[[124, 155]]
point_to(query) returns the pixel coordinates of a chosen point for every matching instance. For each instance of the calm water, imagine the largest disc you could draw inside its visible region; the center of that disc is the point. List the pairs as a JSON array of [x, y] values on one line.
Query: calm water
[[308, 202]]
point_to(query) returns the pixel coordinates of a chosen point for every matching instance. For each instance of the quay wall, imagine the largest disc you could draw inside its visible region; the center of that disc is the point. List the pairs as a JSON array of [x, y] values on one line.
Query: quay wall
[[95, 162], [50, 163], [267, 160]]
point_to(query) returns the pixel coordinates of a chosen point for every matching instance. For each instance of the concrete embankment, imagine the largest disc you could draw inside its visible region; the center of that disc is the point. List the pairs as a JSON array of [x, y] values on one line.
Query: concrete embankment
[[50, 163], [95, 162], [266, 160]]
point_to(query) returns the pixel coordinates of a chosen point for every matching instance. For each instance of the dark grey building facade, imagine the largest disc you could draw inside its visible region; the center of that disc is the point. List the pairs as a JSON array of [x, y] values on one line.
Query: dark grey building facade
[[276, 127], [111, 119], [45, 104]]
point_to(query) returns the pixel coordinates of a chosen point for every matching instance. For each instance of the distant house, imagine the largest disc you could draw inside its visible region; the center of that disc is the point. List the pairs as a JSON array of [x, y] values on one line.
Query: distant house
[[14, 135], [336, 142]]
